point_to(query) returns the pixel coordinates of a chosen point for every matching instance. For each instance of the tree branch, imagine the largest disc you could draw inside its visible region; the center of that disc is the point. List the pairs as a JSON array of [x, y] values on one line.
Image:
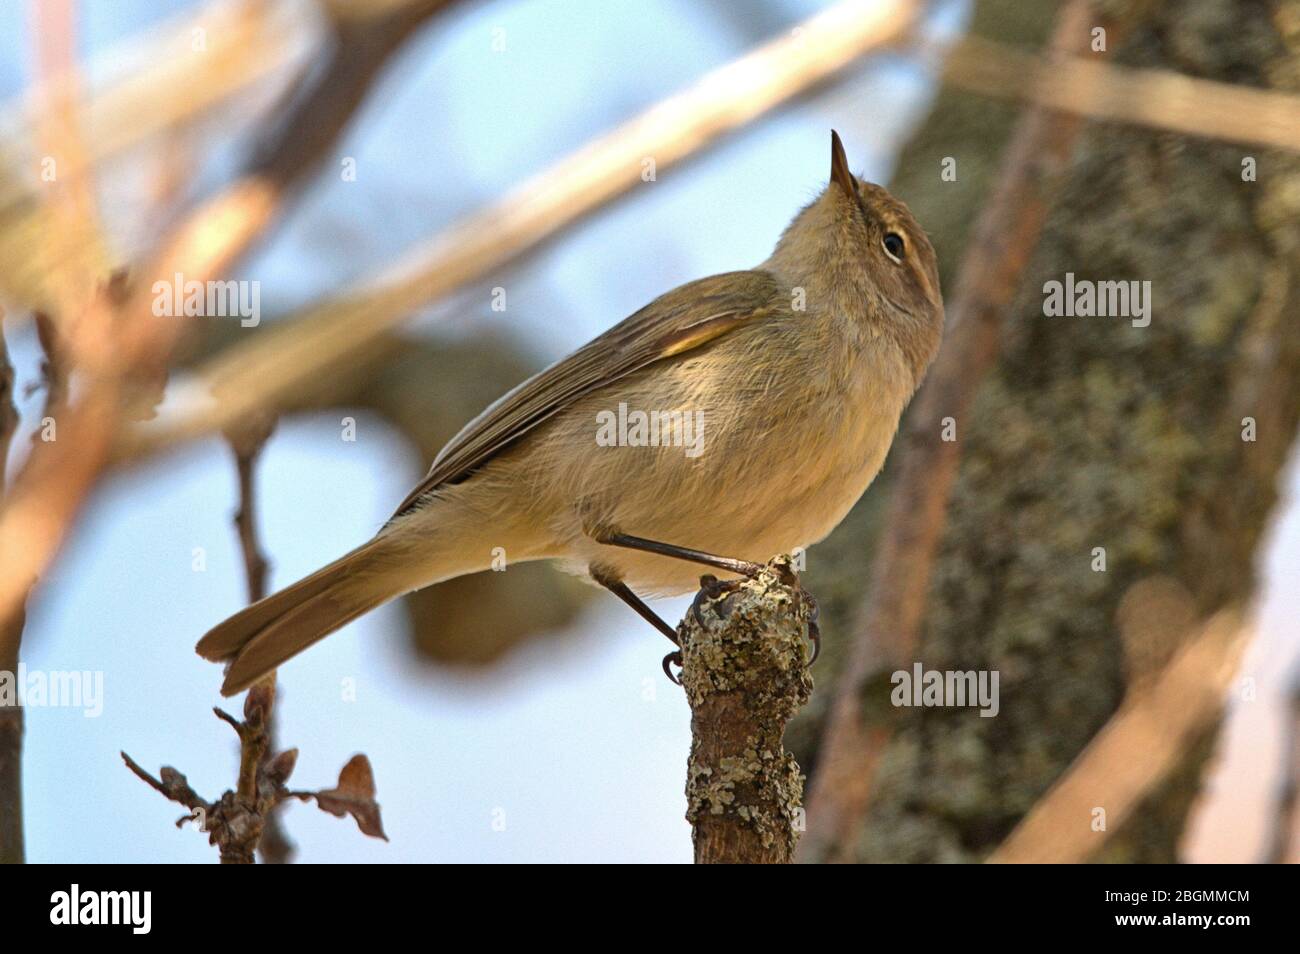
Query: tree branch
[[236, 822], [745, 675], [257, 740], [1155, 99]]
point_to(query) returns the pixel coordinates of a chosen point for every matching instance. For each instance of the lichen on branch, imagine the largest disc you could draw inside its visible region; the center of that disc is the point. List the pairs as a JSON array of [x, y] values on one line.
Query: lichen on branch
[[744, 668]]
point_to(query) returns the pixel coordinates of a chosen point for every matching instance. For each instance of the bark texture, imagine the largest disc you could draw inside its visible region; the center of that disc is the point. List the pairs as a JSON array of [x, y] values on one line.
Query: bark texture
[[1094, 433], [744, 671]]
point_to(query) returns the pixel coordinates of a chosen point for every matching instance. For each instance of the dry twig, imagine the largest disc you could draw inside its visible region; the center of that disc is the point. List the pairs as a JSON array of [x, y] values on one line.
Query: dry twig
[[235, 822]]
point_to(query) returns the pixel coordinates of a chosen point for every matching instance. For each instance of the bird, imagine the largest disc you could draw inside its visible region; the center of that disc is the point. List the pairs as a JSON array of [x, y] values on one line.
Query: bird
[[735, 417]]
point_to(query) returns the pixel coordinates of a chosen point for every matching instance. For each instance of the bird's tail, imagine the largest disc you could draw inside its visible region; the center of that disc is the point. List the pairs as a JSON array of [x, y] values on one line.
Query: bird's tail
[[259, 638]]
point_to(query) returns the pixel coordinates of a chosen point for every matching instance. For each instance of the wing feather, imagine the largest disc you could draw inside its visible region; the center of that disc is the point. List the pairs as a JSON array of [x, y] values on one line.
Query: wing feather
[[682, 320]]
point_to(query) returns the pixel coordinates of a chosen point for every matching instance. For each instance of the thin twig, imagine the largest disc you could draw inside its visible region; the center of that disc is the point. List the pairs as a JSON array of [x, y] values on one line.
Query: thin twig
[[235, 823], [257, 732], [247, 443], [173, 785]]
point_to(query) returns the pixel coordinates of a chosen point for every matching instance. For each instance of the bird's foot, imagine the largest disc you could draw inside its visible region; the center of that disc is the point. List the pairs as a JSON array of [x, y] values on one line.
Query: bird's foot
[[710, 589]]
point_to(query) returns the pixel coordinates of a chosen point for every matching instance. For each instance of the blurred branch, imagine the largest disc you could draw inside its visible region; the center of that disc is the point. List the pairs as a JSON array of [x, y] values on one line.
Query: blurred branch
[[70, 203], [1125, 760], [362, 39], [1005, 236], [179, 71], [121, 345], [169, 83], [1158, 99], [365, 37], [11, 634], [267, 371], [745, 675], [1284, 845], [73, 234]]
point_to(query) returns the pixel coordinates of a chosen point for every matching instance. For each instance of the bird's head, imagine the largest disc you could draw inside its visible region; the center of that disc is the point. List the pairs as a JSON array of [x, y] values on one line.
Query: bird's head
[[863, 252]]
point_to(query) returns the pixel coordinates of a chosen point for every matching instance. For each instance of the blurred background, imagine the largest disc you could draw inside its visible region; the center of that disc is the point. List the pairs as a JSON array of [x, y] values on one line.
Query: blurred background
[[522, 716]]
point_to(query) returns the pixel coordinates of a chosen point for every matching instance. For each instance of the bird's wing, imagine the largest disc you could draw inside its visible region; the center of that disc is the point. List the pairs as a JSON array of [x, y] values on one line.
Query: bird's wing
[[682, 320]]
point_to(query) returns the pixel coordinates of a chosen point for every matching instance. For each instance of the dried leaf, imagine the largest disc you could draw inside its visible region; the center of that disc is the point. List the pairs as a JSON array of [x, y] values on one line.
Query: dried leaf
[[355, 796]]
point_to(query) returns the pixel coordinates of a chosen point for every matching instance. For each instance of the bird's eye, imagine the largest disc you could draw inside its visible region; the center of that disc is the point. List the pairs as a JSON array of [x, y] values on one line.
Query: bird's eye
[[893, 243]]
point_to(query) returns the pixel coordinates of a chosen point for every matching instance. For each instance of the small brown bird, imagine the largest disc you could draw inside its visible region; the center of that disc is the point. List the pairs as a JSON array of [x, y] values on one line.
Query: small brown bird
[[742, 414]]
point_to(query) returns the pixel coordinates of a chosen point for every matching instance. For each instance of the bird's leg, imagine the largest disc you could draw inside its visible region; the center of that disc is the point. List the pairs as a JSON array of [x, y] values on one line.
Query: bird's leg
[[710, 586], [624, 593], [614, 538]]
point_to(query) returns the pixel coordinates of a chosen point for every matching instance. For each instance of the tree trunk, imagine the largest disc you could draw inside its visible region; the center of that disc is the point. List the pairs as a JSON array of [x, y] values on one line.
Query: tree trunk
[[1096, 435]]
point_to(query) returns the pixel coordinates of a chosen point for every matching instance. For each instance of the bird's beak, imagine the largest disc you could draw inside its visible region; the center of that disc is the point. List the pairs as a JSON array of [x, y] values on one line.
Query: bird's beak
[[840, 167]]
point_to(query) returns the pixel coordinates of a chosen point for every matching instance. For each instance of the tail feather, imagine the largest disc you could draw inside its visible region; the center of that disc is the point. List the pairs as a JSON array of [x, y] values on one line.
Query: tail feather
[[259, 638]]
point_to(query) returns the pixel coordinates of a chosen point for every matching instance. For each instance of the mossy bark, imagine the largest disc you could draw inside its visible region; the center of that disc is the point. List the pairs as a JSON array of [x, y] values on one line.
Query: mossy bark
[[1095, 433]]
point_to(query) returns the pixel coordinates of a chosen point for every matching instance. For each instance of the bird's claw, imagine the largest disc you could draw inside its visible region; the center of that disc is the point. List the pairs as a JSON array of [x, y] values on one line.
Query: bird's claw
[[673, 658], [710, 588]]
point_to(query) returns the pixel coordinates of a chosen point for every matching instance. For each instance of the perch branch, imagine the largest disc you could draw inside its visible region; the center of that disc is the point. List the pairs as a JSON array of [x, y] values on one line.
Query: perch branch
[[744, 671]]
